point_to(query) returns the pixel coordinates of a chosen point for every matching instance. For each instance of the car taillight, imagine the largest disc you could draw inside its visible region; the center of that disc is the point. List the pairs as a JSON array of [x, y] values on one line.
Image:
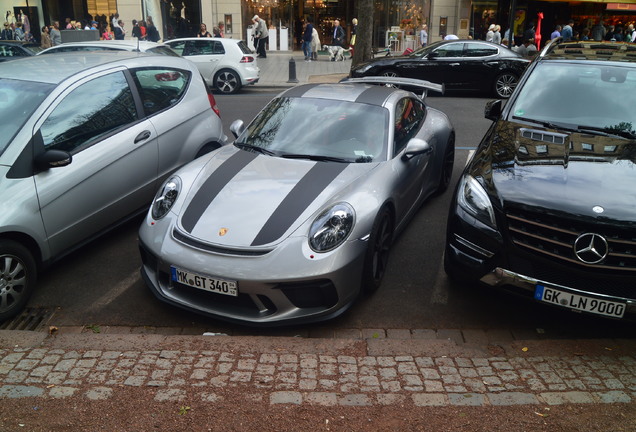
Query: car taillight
[[213, 105], [247, 59]]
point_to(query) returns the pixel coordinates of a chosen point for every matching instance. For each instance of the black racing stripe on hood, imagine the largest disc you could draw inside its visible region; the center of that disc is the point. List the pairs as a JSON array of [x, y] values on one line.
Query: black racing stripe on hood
[[375, 95], [213, 185], [298, 199]]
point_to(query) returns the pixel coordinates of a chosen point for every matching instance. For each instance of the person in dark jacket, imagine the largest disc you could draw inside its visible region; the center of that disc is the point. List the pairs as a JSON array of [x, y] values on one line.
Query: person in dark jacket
[[338, 34], [307, 37], [152, 34]]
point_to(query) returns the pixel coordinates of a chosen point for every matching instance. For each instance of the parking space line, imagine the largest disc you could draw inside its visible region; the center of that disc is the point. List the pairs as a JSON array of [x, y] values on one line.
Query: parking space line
[[115, 291]]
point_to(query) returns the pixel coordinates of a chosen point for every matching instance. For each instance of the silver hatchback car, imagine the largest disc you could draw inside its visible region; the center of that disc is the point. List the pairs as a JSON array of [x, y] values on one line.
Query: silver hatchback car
[[85, 140]]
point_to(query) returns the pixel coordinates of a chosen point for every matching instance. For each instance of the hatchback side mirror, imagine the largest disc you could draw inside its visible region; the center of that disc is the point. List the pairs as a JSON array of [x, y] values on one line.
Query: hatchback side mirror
[[237, 127], [432, 55], [416, 146], [52, 159], [492, 111]]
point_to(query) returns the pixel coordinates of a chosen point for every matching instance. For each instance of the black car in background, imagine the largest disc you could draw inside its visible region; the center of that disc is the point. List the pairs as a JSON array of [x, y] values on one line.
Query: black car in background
[[546, 207], [10, 50], [458, 64]]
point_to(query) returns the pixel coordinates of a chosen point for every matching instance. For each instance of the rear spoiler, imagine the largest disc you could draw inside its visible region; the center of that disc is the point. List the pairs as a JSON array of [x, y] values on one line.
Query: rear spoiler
[[397, 82]]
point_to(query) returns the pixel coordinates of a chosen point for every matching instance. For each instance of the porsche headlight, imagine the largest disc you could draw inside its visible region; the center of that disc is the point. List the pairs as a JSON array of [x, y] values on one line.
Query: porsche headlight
[[166, 197], [331, 228], [473, 198]]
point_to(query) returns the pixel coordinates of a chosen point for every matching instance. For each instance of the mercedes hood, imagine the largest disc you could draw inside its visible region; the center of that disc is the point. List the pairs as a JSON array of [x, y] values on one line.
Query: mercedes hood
[[571, 173]]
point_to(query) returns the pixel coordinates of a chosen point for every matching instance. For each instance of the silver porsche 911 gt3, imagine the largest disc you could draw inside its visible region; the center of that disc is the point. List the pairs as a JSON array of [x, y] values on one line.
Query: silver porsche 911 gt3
[[292, 222]]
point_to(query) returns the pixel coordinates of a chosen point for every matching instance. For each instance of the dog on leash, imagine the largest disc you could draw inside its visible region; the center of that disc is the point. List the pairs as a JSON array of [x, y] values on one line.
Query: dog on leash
[[336, 53]]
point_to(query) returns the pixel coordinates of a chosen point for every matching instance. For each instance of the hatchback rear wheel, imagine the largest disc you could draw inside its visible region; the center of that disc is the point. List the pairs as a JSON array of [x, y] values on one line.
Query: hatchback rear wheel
[[227, 81]]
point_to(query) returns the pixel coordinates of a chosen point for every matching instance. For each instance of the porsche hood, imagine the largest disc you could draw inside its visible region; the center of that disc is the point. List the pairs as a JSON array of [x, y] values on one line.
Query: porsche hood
[[242, 199]]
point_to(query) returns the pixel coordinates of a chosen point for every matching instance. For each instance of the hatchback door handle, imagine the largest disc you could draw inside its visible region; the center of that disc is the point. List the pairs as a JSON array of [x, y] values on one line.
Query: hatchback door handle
[[454, 64], [143, 136]]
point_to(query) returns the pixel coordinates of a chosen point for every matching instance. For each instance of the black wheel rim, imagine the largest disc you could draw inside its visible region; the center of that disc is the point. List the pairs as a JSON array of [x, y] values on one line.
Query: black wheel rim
[[381, 247], [449, 162]]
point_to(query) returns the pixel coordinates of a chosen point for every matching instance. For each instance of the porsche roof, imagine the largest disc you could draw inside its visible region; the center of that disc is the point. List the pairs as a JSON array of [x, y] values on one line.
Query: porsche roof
[[359, 93]]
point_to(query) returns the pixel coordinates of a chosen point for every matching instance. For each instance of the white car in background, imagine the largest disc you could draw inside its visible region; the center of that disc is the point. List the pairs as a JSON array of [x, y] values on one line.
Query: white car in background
[[226, 64], [112, 45]]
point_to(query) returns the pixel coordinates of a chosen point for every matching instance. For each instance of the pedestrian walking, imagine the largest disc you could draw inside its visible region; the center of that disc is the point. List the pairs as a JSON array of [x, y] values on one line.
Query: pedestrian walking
[[307, 38], [424, 35], [262, 35]]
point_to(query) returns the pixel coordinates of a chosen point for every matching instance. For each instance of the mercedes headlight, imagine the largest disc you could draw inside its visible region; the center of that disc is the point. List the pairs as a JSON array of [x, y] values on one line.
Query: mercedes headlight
[[473, 198], [166, 197], [363, 68], [331, 228]]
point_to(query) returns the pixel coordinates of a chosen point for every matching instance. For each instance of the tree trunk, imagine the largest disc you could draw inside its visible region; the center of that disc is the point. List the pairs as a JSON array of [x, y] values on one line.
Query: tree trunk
[[363, 50]]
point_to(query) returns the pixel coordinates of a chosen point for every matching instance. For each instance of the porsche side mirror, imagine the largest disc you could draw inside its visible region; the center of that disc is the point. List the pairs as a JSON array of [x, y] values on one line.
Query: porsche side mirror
[[52, 159], [416, 146], [492, 111], [237, 127], [432, 55]]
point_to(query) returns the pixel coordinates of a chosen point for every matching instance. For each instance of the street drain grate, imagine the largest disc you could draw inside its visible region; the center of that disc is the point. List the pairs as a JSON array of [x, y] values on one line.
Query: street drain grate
[[31, 319]]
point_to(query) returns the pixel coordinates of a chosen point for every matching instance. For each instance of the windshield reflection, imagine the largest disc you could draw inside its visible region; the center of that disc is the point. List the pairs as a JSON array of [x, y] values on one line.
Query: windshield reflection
[[319, 129], [582, 97]]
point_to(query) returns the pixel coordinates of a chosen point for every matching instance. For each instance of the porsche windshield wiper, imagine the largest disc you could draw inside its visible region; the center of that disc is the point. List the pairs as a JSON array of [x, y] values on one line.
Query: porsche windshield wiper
[[315, 157], [605, 131], [254, 148]]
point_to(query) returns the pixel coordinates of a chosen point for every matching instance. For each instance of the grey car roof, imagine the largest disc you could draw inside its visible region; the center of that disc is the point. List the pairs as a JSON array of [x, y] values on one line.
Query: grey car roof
[[56, 68], [360, 93]]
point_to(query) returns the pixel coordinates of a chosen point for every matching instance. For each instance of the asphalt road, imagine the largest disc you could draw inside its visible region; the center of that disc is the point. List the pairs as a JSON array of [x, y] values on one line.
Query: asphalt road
[[100, 284]]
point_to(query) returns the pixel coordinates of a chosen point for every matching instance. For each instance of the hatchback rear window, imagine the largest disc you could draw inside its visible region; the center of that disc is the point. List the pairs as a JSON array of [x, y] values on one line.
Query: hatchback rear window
[[244, 48], [161, 88], [18, 101]]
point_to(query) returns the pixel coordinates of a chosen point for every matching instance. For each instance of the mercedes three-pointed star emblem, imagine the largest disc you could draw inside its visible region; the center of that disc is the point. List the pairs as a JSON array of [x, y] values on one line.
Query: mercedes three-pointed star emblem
[[591, 248]]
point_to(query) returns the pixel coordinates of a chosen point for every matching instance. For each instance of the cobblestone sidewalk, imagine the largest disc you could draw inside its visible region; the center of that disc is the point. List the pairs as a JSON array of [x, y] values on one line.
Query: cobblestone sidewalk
[[315, 378]]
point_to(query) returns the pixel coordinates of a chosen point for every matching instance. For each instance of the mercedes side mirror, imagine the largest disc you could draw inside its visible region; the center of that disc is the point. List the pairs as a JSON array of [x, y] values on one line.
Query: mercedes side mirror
[[492, 111], [52, 159]]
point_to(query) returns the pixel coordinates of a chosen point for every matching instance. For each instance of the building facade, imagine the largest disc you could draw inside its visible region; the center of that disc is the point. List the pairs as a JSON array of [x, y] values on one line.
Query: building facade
[[396, 23]]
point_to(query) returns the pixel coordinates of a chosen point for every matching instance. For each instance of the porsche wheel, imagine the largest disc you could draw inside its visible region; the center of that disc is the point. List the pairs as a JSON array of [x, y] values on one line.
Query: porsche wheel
[[227, 81], [18, 275], [447, 166], [505, 84], [377, 256]]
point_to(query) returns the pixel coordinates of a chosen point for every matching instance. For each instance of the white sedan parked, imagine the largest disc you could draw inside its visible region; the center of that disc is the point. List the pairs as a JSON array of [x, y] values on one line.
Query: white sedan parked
[[226, 64]]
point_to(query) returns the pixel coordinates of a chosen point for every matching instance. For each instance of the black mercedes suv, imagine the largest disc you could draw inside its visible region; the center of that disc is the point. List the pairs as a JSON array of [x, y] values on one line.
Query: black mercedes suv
[[546, 207]]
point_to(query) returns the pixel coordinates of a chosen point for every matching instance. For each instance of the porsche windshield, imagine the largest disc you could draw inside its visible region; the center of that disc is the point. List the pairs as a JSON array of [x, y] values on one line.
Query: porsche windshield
[[579, 97], [319, 129], [18, 100]]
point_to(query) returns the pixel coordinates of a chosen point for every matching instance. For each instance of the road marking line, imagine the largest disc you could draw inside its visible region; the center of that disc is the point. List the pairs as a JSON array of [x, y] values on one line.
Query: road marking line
[[470, 156], [115, 291]]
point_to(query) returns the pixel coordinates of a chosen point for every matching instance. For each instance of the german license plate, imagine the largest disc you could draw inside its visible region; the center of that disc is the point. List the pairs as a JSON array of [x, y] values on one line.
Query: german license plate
[[579, 302], [207, 283]]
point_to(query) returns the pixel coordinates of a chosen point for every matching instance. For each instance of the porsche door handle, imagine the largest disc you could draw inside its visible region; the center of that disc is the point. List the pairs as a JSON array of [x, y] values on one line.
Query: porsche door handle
[[143, 136], [454, 64]]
